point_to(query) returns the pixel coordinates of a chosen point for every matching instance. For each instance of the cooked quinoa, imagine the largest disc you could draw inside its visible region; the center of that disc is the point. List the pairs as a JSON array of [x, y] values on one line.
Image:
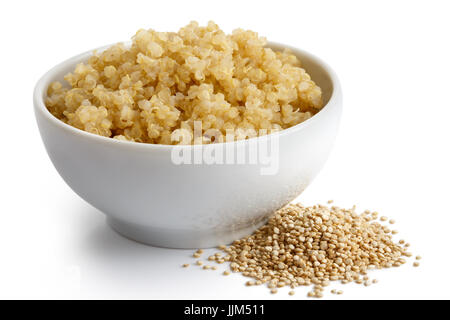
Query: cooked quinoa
[[165, 81]]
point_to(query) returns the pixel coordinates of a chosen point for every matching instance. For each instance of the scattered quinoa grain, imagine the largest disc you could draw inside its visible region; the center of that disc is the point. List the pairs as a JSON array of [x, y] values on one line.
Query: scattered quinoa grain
[[416, 264], [185, 265], [291, 293]]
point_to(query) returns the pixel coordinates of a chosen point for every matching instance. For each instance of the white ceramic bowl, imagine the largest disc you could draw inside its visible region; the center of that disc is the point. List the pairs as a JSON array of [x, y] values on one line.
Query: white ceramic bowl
[[148, 198]]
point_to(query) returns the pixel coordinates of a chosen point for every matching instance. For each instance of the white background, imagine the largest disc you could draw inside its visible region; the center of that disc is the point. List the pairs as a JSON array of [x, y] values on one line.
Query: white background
[[391, 154]]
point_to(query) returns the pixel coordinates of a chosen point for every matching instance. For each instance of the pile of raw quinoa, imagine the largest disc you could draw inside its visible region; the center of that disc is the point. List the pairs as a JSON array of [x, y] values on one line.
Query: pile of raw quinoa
[[314, 246]]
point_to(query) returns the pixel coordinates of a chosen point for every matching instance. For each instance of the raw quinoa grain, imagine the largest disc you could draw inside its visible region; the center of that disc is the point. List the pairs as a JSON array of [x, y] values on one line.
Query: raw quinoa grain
[[301, 245]]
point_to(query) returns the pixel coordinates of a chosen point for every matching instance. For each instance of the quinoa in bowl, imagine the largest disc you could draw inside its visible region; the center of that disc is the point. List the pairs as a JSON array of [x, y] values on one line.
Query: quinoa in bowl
[[164, 82], [149, 197]]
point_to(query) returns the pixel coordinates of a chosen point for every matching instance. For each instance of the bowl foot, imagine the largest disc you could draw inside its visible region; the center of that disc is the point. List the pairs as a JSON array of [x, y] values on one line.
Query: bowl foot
[[180, 239]]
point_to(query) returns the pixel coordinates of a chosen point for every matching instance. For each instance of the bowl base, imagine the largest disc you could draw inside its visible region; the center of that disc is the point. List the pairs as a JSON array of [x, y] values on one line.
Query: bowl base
[[180, 239]]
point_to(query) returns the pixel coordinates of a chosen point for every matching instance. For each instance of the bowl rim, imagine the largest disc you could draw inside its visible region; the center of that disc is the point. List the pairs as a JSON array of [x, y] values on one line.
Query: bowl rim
[[42, 85]]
